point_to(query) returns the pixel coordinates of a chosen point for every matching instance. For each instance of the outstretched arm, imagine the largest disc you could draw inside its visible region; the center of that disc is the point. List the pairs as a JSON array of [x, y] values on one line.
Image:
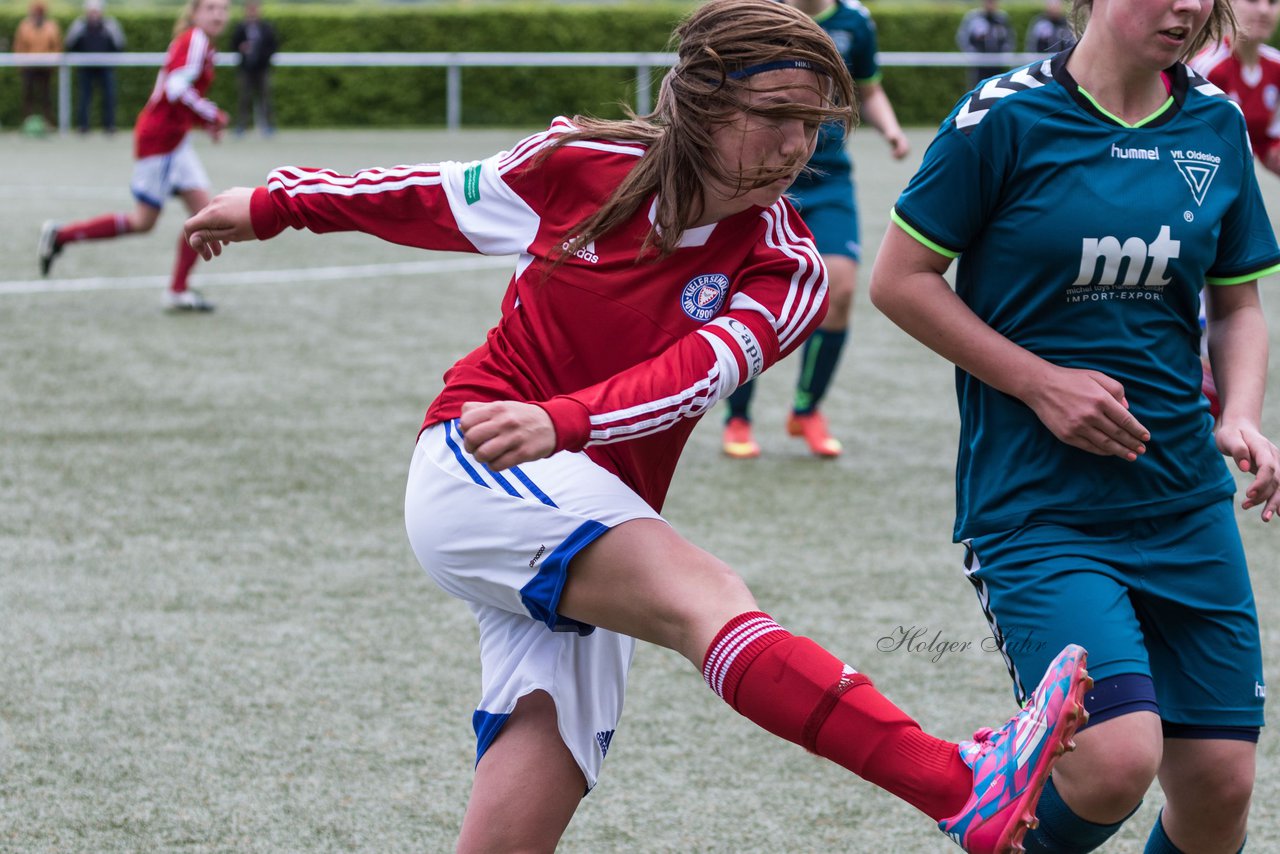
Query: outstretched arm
[[487, 206], [776, 306], [683, 381], [1085, 409], [179, 86], [877, 110], [1238, 353], [224, 220]]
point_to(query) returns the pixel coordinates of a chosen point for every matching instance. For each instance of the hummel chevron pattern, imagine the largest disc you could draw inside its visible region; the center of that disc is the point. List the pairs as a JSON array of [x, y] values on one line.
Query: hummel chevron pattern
[[1011, 765], [975, 109], [1204, 86]]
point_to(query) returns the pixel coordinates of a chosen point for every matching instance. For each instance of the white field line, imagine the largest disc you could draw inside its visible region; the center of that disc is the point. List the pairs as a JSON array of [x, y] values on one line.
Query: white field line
[[120, 193], [258, 277]]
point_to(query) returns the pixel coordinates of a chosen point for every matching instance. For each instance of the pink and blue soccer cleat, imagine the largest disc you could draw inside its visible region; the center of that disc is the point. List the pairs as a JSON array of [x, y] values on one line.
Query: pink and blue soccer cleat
[[1011, 765]]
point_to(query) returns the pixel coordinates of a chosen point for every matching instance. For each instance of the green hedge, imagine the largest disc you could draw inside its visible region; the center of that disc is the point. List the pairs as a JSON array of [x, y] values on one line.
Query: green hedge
[[401, 97], [521, 97]]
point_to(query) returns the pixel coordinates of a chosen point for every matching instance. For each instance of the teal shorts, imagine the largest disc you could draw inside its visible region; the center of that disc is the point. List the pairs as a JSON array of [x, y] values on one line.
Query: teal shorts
[[827, 205], [1167, 598]]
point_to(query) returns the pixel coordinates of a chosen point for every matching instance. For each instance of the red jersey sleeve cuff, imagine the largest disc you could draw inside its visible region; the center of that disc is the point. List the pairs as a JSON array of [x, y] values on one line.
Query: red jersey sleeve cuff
[[570, 419], [267, 223]]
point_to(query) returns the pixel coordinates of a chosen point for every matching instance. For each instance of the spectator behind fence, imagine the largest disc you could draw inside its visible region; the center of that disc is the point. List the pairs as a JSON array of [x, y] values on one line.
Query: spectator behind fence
[[1050, 32], [255, 40], [94, 32], [985, 30], [37, 33]]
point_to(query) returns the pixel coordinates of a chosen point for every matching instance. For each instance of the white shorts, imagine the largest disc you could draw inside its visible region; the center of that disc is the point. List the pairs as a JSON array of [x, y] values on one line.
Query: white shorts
[[158, 177], [503, 543]]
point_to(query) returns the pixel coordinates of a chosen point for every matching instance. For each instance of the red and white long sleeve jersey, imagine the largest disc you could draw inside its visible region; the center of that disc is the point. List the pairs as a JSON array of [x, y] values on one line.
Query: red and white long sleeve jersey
[[624, 355], [177, 101], [1256, 89]]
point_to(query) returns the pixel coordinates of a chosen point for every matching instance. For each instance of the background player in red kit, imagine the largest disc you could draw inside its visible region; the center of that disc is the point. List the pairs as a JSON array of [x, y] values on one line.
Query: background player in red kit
[[536, 485], [1247, 68], [165, 162]]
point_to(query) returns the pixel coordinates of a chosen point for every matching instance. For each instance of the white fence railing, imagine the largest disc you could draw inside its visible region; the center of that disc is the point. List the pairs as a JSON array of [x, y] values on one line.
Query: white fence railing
[[453, 63]]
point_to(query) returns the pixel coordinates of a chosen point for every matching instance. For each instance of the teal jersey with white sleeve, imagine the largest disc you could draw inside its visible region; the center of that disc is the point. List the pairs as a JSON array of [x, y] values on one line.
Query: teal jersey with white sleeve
[[1086, 240], [850, 26]]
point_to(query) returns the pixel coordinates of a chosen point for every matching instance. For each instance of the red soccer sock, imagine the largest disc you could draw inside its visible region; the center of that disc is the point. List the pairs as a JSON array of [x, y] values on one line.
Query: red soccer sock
[[795, 689], [98, 228], [182, 265]]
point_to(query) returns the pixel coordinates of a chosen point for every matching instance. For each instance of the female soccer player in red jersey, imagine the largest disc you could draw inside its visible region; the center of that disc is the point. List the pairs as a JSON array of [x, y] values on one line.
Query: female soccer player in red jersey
[[658, 268], [1247, 68], [165, 163]]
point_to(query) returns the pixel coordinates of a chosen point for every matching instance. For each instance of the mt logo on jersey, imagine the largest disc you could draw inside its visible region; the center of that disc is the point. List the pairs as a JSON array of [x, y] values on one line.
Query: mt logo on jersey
[[1143, 263]]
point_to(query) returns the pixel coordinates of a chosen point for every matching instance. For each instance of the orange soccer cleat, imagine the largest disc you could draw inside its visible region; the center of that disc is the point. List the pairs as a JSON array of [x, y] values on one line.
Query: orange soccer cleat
[[738, 442], [813, 427]]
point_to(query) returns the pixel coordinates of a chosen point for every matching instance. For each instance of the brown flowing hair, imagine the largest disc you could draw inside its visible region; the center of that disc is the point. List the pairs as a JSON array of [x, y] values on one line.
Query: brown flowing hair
[[186, 17], [698, 96], [1221, 24]]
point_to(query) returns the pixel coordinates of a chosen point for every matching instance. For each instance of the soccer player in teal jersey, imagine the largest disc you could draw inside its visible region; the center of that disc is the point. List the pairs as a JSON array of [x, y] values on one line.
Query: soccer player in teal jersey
[[825, 198], [1089, 198]]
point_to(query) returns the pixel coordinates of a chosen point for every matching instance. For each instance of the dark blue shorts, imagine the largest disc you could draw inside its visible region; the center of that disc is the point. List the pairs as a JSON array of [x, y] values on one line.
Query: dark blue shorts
[[1166, 597], [827, 205]]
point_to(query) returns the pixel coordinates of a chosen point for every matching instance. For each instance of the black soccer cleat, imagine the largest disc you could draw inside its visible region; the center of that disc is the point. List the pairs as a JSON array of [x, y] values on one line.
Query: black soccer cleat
[[189, 300], [48, 248]]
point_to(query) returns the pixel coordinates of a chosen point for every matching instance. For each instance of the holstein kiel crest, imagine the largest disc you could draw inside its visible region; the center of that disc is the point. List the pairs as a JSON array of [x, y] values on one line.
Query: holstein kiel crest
[[704, 295]]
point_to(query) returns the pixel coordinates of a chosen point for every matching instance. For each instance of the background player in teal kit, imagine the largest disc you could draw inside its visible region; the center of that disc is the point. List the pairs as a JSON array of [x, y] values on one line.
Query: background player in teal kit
[[1089, 198], [825, 198]]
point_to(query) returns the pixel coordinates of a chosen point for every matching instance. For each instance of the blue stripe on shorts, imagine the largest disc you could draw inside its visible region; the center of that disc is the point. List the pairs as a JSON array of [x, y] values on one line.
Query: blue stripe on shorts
[[541, 595], [464, 460], [486, 725], [457, 453]]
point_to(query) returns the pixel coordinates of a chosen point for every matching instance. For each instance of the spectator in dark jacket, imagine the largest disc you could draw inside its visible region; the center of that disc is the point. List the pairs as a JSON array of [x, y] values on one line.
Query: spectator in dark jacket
[[255, 40], [94, 32], [1050, 32], [985, 30]]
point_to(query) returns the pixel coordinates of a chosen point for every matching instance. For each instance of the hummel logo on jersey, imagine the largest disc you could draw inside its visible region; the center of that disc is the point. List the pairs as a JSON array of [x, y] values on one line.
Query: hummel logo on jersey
[[975, 109], [1198, 169], [1135, 251], [604, 739], [1259, 690], [1134, 153]]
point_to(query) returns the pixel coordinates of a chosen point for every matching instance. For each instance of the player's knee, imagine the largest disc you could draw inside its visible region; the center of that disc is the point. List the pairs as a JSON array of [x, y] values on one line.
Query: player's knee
[[1125, 780], [717, 595], [1222, 794], [839, 306], [141, 224], [1123, 773]]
